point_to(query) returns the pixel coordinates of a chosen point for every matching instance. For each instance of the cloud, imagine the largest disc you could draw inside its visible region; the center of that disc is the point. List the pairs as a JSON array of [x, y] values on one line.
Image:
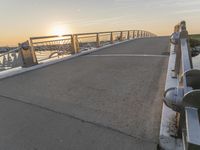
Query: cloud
[[187, 11], [86, 22]]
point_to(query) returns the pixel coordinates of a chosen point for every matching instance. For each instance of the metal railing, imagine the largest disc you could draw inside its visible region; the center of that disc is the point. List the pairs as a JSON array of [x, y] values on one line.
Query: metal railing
[[10, 59], [45, 48], [182, 90], [48, 47]]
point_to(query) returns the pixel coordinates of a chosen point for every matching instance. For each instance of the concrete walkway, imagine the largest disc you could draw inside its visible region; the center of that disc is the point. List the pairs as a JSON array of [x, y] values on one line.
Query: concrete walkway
[[106, 100]]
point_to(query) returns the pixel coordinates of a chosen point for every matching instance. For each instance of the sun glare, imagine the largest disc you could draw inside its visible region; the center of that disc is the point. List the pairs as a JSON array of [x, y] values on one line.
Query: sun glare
[[60, 30]]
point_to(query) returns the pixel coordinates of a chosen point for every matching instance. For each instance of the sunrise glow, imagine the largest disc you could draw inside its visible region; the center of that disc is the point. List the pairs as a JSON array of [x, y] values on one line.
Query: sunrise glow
[[60, 30]]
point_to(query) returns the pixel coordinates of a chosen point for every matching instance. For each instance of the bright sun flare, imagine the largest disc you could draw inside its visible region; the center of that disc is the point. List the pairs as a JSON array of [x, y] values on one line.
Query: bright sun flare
[[60, 30]]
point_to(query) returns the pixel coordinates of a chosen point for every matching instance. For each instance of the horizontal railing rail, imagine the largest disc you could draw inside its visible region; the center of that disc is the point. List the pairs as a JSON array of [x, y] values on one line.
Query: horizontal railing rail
[[46, 48], [182, 91], [10, 59]]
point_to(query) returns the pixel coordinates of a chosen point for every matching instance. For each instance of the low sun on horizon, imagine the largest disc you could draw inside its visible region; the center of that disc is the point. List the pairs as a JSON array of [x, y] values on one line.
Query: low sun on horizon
[[60, 30]]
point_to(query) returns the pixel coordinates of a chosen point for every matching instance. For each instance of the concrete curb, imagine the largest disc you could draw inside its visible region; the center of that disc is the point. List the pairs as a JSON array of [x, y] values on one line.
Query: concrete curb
[[167, 139], [20, 70], [168, 129]]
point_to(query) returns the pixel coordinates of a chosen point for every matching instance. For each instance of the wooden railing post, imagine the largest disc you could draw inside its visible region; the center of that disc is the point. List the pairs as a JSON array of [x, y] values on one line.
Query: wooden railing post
[[28, 56], [73, 44], [133, 34], [128, 36], [77, 44], [111, 38], [97, 40], [121, 36], [138, 33], [143, 34], [33, 51]]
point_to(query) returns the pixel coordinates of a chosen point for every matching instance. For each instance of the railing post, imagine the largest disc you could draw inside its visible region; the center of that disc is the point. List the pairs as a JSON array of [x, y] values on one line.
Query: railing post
[[77, 44], [133, 34], [138, 34], [182, 92], [178, 58], [184, 35], [28, 56], [128, 36], [121, 36], [111, 38], [74, 44], [97, 40], [33, 51], [145, 34]]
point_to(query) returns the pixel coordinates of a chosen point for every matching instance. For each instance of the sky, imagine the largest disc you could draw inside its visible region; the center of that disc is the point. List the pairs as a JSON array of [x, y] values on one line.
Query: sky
[[22, 19]]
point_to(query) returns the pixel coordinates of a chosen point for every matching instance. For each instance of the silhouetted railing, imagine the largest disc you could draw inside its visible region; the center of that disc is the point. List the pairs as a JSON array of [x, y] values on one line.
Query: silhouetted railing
[[10, 59], [46, 48]]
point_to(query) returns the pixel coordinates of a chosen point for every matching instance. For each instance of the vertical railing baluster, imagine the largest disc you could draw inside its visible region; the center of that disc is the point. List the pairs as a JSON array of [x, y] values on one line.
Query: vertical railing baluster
[[111, 38], [128, 36], [97, 40]]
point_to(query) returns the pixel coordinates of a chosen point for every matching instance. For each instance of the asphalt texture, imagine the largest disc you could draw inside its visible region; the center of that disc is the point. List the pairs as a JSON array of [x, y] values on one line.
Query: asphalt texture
[[106, 100]]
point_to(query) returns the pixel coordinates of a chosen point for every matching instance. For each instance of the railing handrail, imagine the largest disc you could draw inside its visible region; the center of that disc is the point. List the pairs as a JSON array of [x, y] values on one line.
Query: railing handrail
[[50, 41], [89, 33], [10, 51], [30, 52]]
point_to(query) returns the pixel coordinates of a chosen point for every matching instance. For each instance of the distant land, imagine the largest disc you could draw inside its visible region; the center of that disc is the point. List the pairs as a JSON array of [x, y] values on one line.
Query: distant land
[[5, 49]]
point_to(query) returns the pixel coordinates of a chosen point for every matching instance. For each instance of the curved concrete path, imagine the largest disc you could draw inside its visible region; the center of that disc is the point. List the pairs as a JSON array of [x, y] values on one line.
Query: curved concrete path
[[106, 100]]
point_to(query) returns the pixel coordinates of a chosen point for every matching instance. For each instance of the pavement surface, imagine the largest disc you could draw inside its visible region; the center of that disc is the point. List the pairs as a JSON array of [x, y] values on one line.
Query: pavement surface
[[106, 100]]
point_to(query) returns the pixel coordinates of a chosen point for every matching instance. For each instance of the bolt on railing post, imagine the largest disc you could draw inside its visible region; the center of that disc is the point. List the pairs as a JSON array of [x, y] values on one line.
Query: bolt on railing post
[[111, 38], [97, 40]]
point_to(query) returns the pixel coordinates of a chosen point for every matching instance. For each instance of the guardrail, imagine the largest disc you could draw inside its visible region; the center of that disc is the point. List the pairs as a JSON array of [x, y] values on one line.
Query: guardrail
[[10, 59], [182, 90], [48, 47], [45, 48]]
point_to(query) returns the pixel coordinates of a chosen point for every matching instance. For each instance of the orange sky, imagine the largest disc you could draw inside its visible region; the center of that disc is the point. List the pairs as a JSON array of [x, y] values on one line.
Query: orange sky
[[21, 19]]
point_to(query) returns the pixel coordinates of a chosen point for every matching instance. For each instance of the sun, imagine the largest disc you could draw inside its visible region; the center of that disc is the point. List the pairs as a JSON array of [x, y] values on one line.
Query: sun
[[60, 30]]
